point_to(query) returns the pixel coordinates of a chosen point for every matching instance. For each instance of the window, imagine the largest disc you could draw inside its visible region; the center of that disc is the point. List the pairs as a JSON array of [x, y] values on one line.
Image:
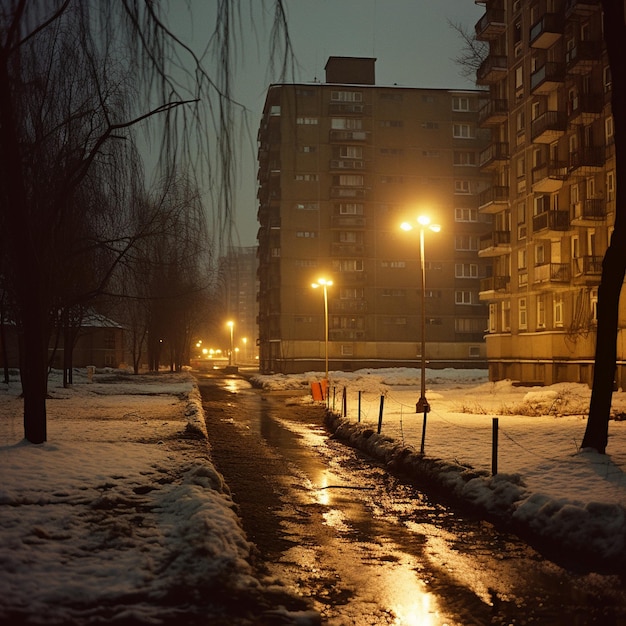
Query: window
[[350, 208], [558, 310], [522, 259], [466, 242], [346, 123], [392, 292], [541, 312], [306, 234], [540, 254], [462, 131], [465, 215], [307, 206], [610, 186], [519, 77], [606, 79], [462, 186], [466, 270], [346, 349], [348, 265], [396, 321], [460, 103], [493, 316], [350, 236], [307, 121], [391, 151], [303, 319], [468, 325], [608, 129], [393, 264], [346, 96], [430, 125], [462, 157], [391, 123], [304, 92], [430, 154], [506, 316], [348, 180], [306, 177], [275, 252], [464, 297], [522, 314], [350, 152], [350, 293], [593, 301], [308, 149]]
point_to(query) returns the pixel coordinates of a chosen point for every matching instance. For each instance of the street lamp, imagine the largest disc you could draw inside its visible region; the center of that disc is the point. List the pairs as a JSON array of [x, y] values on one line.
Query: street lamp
[[423, 223], [324, 283], [231, 324]]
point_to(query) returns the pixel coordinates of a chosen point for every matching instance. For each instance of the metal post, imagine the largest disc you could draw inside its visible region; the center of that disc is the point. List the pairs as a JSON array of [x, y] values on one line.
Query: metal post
[[380, 414], [494, 446], [326, 326]]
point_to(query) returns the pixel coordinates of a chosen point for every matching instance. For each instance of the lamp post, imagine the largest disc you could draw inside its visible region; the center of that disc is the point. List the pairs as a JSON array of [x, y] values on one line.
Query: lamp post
[[231, 324], [324, 283], [423, 223]]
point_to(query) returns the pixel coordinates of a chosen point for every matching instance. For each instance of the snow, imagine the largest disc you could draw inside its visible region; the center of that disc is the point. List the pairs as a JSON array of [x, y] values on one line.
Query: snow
[[545, 485], [121, 514]]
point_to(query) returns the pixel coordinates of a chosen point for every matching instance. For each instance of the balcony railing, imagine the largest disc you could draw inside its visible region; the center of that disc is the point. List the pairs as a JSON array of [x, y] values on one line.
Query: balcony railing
[[496, 195], [582, 56], [548, 126], [581, 8], [590, 157], [591, 209], [552, 273], [547, 30], [490, 25], [590, 265], [491, 70], [551, 220], [495, 283], [494, 153], [547, 78], [493, 111]]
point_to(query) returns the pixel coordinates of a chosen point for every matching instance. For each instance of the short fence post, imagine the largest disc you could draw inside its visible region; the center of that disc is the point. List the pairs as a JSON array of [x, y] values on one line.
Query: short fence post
[[344, 402], [359, 410], [380, 414], [334, 396], [494, 446]]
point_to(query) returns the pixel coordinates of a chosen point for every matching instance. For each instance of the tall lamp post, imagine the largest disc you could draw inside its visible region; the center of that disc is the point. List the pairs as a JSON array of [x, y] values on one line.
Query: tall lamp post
[[231, 325], [324, 283], [423, 223]]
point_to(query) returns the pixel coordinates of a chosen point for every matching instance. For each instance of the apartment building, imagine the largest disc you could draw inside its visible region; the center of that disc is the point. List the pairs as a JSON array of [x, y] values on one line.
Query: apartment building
[[552, 190], [238, 283], [342, 163]]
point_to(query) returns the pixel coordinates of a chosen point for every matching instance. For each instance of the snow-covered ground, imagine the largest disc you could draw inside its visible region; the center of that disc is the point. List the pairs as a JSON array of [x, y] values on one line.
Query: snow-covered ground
[[121, 514], [544, 483], [120, 517]]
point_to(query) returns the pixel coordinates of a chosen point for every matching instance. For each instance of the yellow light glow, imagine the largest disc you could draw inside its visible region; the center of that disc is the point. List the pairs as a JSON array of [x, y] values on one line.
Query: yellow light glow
[[406, 226], [424, 220], [321, 282], [230, 323]]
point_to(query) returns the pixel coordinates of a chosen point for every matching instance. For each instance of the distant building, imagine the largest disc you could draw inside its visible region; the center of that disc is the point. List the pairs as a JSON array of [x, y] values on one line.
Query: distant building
[[238, 280], [341, 165], [552, 192]]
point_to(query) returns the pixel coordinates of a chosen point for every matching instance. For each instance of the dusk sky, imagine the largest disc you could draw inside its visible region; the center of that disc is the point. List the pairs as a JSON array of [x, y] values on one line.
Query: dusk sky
[[412, 40]]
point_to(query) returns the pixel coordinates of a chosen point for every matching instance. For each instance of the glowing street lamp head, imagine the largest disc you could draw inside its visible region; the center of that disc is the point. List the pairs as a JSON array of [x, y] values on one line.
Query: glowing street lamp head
[[423, 220], [230, 323], [406, 226], [322, 282]]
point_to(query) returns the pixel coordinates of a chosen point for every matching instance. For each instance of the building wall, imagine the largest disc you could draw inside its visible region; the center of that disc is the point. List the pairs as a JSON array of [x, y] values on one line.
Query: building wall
[[552, 190], [341, 166]]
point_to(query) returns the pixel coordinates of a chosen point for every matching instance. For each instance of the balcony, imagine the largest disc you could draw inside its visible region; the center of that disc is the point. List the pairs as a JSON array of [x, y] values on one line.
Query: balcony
[[552, 273], [348, 192], [547, 78], [548, 127], [547, 31], [491, 70], [582, 57], [549, 177], [491, 25], [349, 135], [495, 243], [494, 111], [551, 222], [347, 221], [341, 249], [585, 108], [581, 8], [493, 155], [494, 283], [346, 164], [343, 108], [587, 160], [589, 266], [588, 212], [494, 199]]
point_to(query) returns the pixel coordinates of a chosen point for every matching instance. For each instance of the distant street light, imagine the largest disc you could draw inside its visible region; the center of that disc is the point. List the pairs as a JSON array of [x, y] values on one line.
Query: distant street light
[[324, 283], [423, 223], [231, 324]]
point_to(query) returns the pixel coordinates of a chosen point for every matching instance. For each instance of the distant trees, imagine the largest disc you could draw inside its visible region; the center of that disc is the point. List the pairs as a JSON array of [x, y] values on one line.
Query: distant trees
[[76, 77]]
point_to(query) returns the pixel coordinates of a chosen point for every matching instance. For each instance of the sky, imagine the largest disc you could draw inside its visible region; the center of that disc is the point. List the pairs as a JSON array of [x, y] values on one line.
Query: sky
[[121, 510], [412, 40]]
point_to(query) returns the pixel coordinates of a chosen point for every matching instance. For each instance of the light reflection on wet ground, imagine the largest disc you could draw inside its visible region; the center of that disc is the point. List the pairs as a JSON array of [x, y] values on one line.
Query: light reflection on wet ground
[[370, 549]]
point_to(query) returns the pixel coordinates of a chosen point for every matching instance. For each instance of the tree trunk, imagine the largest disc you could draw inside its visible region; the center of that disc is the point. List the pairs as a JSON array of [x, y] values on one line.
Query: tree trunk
[[614, 264]]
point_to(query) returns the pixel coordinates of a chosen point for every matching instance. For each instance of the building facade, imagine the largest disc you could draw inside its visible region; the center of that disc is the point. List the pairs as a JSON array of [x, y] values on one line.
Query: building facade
[[552, 191], [239, 287], [341, 165]]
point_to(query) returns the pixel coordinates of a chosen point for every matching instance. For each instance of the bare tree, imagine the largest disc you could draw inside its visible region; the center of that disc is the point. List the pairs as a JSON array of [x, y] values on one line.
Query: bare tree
[[614, 263], [76, 76]]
